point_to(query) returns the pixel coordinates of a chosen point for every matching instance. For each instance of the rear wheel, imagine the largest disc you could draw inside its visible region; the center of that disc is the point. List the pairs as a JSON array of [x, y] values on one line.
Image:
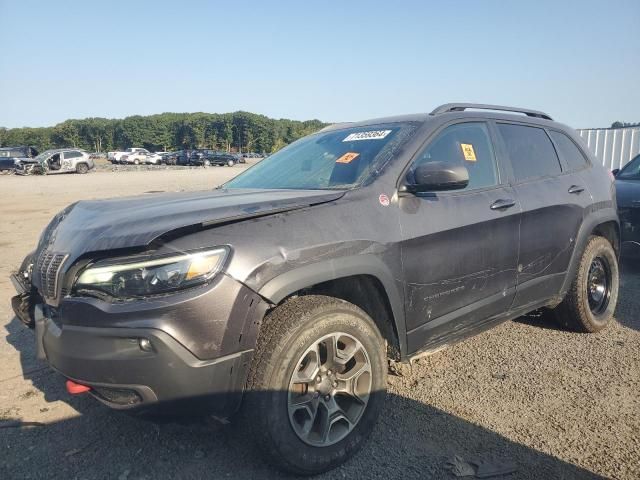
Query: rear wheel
[[316, 385], [593, 294], [231, 163], [82, 168], [136, 162]]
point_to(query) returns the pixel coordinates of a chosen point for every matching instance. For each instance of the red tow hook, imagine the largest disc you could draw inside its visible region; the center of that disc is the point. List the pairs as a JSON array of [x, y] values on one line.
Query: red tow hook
[[75, 388]]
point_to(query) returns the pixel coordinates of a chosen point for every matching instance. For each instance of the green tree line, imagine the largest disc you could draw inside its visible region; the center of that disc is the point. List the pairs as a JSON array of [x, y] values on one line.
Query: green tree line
[[624, 124], [238, 131]]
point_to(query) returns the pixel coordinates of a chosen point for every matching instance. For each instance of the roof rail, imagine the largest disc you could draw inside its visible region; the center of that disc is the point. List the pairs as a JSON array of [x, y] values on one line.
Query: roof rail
[[459, 107]]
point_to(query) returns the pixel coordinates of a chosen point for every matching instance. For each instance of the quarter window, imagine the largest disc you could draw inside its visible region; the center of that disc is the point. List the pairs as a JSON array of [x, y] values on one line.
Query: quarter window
[[467, 144], [530, 150], [568, 151]]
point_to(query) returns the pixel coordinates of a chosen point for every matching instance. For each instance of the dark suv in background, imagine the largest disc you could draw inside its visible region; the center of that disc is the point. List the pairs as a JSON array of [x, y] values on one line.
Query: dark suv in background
[[10, 157], [282, 293]]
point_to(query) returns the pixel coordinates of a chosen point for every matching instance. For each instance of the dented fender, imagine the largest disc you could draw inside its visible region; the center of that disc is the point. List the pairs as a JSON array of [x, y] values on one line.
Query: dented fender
[[280, 287]]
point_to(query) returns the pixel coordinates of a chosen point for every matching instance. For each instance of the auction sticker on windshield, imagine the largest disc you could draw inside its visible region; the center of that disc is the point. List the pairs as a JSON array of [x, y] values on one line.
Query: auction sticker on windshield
[[348, 157], [371, 135]]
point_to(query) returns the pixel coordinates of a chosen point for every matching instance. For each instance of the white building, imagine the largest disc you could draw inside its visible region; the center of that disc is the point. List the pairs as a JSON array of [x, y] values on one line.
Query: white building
[[614, 147]]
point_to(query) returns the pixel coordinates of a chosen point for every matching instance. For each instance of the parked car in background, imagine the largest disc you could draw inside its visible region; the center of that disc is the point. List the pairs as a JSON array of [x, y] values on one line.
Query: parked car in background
[[58, 160], [115, 157], [18, 152], [10, 157], [201, 157], [170, 158], [138, 158], [628, 193], [183, 157], [281, 294], [227, 159]]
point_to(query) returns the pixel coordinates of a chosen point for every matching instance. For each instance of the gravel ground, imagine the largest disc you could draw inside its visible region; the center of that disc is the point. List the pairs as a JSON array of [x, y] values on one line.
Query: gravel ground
[[547, 403]]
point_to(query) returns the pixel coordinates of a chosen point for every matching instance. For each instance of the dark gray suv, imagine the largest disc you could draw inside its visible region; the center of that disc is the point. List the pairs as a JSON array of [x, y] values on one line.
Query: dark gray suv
[[282, 294]]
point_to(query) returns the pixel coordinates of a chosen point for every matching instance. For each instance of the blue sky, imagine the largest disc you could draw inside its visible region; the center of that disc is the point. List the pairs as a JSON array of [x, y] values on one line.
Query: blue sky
[[332, 60]]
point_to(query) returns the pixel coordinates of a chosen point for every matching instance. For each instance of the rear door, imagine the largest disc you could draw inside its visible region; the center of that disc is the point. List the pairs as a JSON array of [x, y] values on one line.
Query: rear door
[[459, 248], [68, 159], [553, 203]]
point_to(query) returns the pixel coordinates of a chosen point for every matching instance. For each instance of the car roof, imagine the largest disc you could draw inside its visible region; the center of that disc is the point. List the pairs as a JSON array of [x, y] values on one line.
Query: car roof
[[17, 147], [452, 111], [58, 150]]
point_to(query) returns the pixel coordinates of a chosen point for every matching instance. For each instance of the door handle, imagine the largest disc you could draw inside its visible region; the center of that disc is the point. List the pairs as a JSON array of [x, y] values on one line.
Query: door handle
[[576, 189], [503, 204]]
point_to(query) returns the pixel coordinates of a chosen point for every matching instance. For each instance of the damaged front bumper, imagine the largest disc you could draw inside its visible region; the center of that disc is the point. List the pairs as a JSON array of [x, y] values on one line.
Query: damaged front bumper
[[22, 304], [123, 375], [191, 349]]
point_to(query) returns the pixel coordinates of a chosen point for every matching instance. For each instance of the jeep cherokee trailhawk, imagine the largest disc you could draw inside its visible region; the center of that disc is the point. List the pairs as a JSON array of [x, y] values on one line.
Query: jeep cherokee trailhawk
[[281, 294]]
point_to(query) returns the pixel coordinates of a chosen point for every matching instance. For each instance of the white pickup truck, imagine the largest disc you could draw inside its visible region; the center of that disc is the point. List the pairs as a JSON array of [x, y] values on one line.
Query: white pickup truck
[[114, 157]]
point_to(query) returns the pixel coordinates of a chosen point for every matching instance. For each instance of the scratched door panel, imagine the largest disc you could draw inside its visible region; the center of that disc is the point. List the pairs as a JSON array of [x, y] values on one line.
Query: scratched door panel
[[551, 218], [458, 254]]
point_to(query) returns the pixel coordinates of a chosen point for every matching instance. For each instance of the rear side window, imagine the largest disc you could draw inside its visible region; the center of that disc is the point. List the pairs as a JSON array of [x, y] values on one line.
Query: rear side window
[[11, 153], [465, 144], [530, 150], [568, 151], [72, 154]]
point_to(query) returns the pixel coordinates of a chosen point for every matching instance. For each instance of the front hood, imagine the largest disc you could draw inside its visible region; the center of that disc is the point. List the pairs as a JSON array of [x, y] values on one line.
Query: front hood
[[95, 225], [627, 191]]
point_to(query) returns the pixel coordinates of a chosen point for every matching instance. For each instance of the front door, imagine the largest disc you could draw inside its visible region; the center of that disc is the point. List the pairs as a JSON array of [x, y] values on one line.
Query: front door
[[460, 248]]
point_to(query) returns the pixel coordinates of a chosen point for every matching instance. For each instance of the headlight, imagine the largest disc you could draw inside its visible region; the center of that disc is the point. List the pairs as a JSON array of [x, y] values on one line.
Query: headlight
[[135, 278]]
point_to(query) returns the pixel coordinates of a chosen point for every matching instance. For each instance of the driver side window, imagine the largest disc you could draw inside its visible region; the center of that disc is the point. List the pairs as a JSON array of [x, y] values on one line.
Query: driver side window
[[467, 144]]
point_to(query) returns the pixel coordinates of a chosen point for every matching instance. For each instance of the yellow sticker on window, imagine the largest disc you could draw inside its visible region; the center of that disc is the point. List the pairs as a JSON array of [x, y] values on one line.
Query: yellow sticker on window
[[348, 157], [468, 152]]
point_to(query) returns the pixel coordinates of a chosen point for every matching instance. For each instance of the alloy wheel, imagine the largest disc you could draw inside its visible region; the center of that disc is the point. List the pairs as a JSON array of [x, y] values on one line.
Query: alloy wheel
[[329, 390]]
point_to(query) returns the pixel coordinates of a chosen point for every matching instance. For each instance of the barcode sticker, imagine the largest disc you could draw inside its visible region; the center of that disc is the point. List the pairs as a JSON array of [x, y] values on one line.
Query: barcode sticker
[[371, 135]]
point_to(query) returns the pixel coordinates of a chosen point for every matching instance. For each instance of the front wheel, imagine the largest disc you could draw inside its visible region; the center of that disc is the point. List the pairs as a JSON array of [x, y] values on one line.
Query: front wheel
[[593, 294], [231, 163], [317, 383]]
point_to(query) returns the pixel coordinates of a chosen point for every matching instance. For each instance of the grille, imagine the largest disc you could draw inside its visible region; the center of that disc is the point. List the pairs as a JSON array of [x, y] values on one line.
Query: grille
[[48, 266]]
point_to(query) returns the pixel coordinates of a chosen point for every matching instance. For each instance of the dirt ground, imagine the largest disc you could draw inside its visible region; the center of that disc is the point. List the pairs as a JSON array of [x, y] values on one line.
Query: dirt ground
[[526, 395]]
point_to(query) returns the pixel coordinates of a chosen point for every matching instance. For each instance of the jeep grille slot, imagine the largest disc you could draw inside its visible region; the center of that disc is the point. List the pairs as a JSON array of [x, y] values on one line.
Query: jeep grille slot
[[49, 265]]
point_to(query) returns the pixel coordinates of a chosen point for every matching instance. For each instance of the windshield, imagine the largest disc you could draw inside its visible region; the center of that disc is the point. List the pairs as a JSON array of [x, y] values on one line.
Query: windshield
[[331, 160], [43, 156], [631, 170]]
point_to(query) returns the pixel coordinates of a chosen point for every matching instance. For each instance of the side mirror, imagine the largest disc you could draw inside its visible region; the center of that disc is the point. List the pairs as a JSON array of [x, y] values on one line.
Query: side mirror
[[438, 176], [615, 171]]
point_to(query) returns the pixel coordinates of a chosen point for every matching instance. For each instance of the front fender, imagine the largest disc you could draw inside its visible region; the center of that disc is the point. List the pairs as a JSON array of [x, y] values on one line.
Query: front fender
[[280, 287]]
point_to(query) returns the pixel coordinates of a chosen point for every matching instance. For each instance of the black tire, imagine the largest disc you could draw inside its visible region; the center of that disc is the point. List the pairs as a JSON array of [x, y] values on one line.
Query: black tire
[[579, 311], [287, 333], [136, 162], [82, 168], [230, 163]]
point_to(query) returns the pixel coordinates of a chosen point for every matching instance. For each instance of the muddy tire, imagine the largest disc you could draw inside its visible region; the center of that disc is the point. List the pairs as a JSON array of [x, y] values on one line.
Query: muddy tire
[[591, 300], [316, 385], [82, 168]]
